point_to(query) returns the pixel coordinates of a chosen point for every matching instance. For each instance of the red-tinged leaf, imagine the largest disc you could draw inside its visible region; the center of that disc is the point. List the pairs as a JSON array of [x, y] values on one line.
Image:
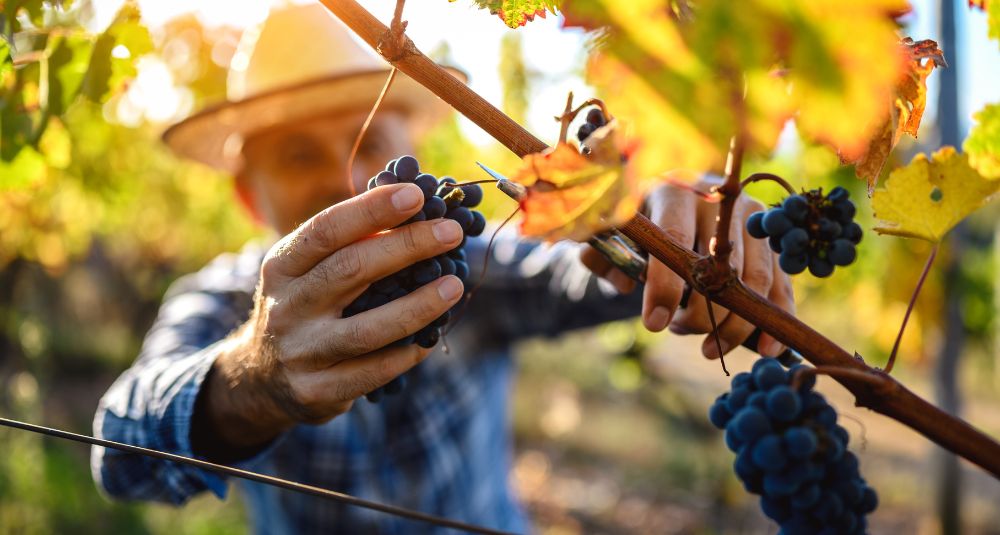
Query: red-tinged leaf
[[904, 114], [517, 13], [571, 196]]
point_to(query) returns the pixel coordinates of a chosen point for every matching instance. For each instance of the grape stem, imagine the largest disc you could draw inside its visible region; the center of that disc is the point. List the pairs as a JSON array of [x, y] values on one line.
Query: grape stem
[[909, 308], [894, 401], [759, 177], [715, 334], [874, 377], [364, 128]]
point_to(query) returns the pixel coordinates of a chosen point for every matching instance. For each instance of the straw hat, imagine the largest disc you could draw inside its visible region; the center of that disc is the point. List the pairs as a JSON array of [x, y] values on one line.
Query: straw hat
[[300, 63]]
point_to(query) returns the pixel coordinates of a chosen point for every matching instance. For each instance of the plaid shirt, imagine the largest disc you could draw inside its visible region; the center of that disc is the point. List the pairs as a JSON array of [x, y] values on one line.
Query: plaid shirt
[[443, 446]]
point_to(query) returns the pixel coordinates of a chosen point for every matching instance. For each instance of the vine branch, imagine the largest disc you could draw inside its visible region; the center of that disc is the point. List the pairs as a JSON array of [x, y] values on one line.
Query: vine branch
[[760, 177], [893, 400]]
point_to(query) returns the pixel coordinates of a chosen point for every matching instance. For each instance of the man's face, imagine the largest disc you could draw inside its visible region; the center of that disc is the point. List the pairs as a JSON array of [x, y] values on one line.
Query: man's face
[[294, 171]]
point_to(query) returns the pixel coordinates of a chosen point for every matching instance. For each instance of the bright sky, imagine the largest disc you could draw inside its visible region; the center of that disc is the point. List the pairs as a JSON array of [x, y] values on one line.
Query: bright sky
[[555, 55]]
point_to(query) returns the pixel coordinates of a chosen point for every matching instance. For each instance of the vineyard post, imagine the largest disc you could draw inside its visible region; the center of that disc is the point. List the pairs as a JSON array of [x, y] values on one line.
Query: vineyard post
[[886, 396]]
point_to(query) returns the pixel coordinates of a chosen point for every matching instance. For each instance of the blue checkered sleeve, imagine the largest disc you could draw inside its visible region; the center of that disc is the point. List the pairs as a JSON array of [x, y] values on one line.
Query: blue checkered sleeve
[[151, 404]]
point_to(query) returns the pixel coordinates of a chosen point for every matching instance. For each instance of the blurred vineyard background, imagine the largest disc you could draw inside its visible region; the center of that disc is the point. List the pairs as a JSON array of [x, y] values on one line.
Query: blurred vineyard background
[[97, 219]]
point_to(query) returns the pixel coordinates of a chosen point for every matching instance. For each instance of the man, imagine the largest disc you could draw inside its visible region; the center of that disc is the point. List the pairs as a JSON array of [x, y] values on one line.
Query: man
[[250, 362]]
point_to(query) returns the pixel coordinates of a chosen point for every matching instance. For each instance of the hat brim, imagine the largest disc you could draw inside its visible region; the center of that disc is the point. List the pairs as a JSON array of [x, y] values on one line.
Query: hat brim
[[215, 135]]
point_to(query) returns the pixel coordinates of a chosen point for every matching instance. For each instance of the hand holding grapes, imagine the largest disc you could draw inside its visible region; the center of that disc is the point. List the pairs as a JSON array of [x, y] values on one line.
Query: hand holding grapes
[[299, 359]]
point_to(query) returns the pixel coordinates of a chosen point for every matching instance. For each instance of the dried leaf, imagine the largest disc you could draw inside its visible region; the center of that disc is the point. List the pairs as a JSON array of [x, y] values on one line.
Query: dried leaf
[[572, 196], [905, 113], [927, 198]]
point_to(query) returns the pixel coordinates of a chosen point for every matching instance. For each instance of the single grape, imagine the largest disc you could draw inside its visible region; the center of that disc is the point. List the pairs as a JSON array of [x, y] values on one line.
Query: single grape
[[371, 183], [584, 131], [843, 211], [838, 193], [473, 195], [820, 267], [426, 271], [755, 225], [774, 242], [842, 252], [385, 178], [719, 415], [462, 216], [793, 264], [750, 424], [428, 337], [446, 264], [407, 168], [767, 373], [776, 223], [768, 455], [596, 117], [396, 385], [783, 404], [434, 207], [795, 242], [427, 184], [853, 233], [796, 208], [461, 270], [800, 442], [391, 166], [478, 225]]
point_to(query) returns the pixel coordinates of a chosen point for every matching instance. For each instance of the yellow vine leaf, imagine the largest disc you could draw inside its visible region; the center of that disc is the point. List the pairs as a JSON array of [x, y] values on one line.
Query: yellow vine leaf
[[928, 197], [678, 71], [904, 113], [572, 196], [983, 143]]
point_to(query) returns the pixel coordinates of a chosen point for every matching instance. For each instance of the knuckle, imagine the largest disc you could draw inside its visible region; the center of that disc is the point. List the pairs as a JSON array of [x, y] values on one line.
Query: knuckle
[[758, 276], [323, 230], [372, 211], [344, 264]]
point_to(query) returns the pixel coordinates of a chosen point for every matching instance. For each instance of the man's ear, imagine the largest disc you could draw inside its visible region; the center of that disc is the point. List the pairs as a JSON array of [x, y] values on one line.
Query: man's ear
[[246, 196]]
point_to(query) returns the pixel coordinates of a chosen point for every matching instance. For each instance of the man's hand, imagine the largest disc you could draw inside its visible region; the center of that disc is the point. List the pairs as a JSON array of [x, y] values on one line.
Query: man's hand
[[691, 221], [297, 360]]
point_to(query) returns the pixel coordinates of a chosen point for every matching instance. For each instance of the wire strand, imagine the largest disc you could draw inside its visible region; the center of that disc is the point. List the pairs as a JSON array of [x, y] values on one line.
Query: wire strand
[[253, 476]]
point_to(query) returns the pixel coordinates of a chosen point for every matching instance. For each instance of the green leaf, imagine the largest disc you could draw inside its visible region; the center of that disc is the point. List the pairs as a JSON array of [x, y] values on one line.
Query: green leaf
[[28, 167], [15, 126], [107, 74], [6, 61], [517, 13], [928, 197], [983, 143], [67, 65]]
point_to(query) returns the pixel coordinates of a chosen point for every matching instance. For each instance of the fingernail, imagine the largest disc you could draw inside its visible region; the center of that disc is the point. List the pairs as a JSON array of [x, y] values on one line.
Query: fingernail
[[450, 288], [711, 349], [447, 231], [407, 197], [771, 348], [658, 318]]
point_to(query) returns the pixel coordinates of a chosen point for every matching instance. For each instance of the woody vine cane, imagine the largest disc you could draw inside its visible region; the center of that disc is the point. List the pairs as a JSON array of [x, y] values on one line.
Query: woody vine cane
[[706, 274]]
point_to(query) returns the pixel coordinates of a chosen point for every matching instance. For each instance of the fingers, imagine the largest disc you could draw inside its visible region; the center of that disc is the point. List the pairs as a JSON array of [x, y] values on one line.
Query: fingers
[[340, 225], [756, 272], [694, 317], [338, 339], [782, 295], [342, 276], [674, 211], [322, 395], [602, 267]]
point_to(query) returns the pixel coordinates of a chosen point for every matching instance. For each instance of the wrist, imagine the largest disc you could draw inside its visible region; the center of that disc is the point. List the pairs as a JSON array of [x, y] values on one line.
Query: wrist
[[235, 413]]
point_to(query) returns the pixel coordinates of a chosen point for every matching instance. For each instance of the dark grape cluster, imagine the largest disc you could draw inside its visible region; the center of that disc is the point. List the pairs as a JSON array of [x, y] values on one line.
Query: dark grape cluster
[[442, 198], [595, 120], [810, 230], [790, 450]]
